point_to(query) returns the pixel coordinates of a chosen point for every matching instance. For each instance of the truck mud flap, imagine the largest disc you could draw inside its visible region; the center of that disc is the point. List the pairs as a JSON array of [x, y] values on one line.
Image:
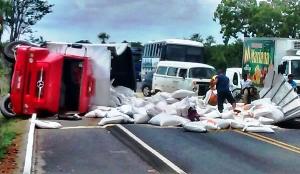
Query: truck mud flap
[[282, 94]]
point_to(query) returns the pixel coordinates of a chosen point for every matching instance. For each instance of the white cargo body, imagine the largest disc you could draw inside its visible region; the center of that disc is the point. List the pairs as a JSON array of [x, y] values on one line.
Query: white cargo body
[[260, 54]]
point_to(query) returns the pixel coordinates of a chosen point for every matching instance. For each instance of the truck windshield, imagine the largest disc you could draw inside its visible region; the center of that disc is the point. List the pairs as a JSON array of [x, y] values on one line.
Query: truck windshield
[[201, 73], [295, 69]]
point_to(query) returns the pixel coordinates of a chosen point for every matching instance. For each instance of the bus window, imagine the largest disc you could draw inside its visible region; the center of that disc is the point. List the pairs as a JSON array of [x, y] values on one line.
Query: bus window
[[175, 52]]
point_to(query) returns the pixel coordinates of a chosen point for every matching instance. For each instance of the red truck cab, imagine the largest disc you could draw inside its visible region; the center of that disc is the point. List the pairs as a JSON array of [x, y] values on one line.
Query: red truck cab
[[51, 82]]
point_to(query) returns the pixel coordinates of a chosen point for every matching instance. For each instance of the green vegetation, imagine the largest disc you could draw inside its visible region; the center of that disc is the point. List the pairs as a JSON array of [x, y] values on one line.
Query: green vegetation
[[7, 134], [252, 18]]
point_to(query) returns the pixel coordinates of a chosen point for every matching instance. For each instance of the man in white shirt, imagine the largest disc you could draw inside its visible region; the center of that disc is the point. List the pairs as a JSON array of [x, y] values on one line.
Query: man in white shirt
[[246, 84]]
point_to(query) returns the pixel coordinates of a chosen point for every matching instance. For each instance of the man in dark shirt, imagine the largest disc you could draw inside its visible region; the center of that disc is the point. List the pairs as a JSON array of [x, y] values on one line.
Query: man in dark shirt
[[222, 84]]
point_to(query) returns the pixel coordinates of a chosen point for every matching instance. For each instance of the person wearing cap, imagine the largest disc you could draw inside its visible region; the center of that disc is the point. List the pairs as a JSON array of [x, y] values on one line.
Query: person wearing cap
[[222, 85], [292, 82]]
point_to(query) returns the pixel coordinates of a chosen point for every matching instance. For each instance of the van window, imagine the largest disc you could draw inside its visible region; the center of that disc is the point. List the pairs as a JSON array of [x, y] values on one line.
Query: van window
[[172, 71], [182, 73], [161, 70], [201, 73]]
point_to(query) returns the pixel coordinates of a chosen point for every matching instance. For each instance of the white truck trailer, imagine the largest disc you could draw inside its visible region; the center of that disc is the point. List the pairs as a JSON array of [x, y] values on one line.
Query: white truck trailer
[[259, 54]]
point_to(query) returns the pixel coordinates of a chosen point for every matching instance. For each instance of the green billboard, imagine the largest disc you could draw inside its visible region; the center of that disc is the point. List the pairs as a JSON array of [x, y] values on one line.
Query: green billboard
[[258, 56]]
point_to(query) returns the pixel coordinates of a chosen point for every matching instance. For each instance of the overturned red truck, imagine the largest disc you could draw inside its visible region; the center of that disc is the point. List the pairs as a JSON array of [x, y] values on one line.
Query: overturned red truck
[[45, 81]]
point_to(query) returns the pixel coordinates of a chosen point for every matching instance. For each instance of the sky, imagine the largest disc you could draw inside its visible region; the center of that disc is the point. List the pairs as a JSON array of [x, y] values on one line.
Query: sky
[[130, 20]]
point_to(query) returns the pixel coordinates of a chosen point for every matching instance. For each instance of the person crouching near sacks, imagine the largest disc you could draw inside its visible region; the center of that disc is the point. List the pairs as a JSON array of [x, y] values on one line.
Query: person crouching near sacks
[[222, 86], [246, 85]]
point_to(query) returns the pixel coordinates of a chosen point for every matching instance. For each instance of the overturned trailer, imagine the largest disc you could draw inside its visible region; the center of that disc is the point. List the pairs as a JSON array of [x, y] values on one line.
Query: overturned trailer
[[43, 77]]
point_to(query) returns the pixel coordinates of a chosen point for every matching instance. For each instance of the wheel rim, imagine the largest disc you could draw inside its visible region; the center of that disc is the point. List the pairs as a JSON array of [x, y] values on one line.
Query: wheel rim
[[146, 91], [8, 106]]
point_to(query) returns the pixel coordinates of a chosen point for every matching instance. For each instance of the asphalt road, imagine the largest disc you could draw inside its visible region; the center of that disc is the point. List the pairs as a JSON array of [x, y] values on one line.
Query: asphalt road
[[222, 151], [88, 151], [96, 150]]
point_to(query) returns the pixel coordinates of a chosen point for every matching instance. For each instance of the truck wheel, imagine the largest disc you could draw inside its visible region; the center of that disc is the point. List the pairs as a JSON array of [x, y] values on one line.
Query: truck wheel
[[6, 108], [146, 91], [236, 93], [10, 49]]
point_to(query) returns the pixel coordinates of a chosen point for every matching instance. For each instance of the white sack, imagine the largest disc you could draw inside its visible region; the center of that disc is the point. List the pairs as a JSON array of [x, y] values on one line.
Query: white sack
[[181, 93], [195, 126], [265, 120], [47, 124], [171, 100], [165, 95], [126, 109], [116, 113], [162, 105], [140, 118], [227, 115], [237, 124], [90, 114], [152, 110], [171, 110], [262, 129], [113, 120], [182, 107], [138, 102], [213, 114], [96, 114], [124, 90], [155, 99], [209, 125], [261, 101], [262, 112], [222, 123], [137, 110], [164, 119]]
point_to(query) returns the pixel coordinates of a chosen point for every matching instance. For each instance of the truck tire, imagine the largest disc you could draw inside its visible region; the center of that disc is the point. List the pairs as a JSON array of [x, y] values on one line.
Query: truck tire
[[10, 48], [5, 107], [146, 91], [236, 93]]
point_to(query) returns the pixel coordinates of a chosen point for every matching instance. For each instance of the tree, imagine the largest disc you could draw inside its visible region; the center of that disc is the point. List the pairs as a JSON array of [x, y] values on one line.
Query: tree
[[209, 41], [103, 37], [5, 9], [196, 37], [274, 18], [24, 14]]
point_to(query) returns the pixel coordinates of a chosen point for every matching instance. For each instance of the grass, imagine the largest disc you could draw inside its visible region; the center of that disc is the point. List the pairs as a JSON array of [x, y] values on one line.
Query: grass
[[8, 131], [7, 134]]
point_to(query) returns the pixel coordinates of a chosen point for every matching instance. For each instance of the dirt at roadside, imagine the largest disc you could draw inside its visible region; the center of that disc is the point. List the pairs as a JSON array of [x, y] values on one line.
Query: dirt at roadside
[[14, 158]]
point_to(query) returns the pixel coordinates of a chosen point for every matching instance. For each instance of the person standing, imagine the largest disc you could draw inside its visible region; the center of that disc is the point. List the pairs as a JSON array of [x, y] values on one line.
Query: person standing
[[222, 85], [292, 82]]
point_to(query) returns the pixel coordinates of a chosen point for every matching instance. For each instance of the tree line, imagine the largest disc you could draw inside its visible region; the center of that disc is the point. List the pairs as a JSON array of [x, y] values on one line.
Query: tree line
[[237, 18]]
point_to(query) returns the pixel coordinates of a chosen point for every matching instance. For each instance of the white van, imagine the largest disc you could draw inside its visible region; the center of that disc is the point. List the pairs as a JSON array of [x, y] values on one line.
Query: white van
[[172, 75]]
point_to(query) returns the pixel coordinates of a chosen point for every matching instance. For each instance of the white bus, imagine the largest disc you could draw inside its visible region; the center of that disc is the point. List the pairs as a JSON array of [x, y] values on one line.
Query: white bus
[[170, 49]]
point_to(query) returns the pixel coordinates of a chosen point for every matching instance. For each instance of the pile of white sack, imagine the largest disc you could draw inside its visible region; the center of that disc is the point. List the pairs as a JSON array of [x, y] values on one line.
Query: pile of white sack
[[171, 109]]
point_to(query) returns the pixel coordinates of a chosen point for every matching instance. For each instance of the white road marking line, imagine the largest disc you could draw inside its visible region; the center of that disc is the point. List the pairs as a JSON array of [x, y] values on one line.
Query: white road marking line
[[81, 127], [157, 154], [29, 148]]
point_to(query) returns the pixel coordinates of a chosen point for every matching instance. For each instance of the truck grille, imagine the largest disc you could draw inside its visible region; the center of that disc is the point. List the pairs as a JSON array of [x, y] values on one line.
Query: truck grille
[[203, 87]]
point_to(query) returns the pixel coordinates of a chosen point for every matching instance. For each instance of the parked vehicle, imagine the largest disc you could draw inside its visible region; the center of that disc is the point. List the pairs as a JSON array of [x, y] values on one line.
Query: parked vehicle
[[261, 53], [170, 50], [172, 75], [147, 84], [52, 82], [235, 77]]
